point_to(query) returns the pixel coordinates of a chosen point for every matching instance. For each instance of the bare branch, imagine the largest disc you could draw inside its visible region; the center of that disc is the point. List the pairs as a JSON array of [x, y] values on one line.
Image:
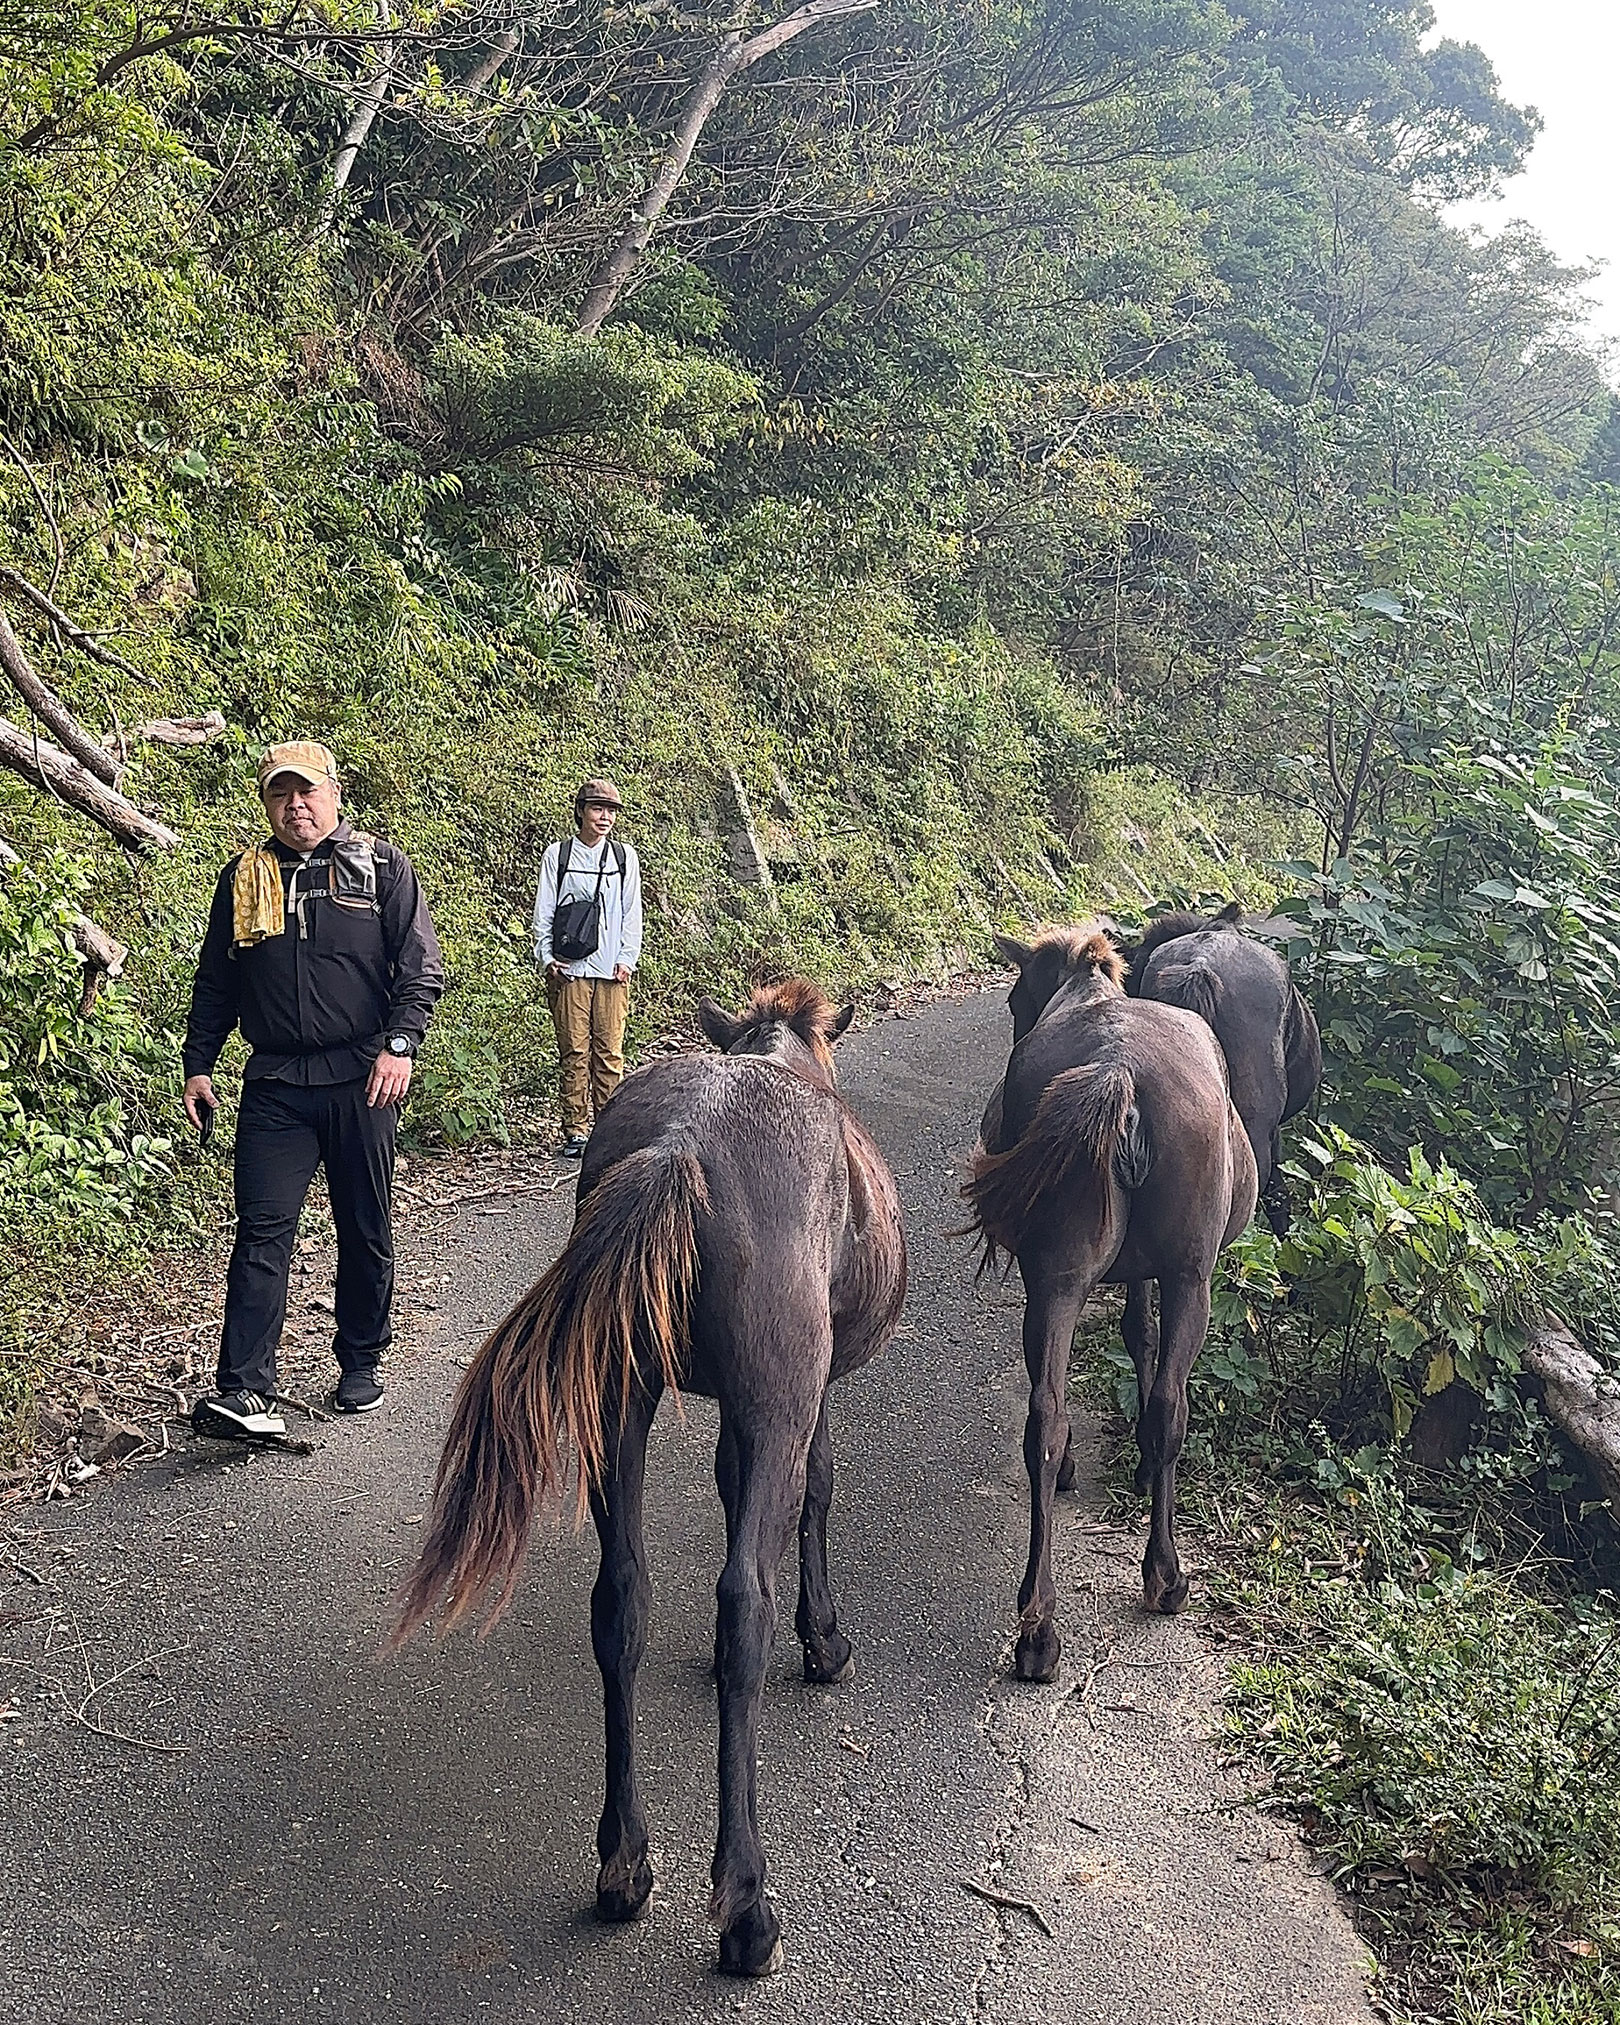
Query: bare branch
[[76, 636]]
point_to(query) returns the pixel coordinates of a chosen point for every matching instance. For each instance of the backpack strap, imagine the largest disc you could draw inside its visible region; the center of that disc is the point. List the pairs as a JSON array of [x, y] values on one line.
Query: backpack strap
[[564, 852], [619, 859]]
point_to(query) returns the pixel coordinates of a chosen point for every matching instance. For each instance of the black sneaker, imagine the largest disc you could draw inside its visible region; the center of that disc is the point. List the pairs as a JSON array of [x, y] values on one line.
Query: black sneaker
[[573, 1147], [359, 1392], [238, 1416]]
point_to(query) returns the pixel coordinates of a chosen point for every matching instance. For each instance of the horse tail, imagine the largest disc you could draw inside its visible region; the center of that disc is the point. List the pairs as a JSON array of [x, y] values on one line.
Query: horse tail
[[1085, 1127], [1193, 986], [540, 1387]]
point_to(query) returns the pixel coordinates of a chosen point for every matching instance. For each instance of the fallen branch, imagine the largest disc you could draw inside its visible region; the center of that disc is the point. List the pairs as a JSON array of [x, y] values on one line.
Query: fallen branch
[[45, 767], [1007, 1902], [75, 635], [103, 954], [183, 730], [51, 711], [123, 1673], [1582, 1402]]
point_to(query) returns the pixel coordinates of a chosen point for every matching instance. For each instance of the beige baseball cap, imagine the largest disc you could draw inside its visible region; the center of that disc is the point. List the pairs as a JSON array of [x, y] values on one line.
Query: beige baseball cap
[[301, 756]]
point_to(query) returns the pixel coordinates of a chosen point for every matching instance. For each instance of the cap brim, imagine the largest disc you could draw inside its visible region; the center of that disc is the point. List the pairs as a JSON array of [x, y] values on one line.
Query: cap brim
[[311, 776]]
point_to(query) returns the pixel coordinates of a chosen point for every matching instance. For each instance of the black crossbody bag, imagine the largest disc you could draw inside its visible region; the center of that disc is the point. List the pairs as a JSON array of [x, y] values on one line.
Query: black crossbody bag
[[576, 926]]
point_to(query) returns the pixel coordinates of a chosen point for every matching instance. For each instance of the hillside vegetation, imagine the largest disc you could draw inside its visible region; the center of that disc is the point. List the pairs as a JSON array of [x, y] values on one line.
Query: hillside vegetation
[[1016, 457]]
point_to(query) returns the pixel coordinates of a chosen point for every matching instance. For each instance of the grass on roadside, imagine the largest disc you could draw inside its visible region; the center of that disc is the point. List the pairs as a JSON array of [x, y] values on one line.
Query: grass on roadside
[[1421, 1685]]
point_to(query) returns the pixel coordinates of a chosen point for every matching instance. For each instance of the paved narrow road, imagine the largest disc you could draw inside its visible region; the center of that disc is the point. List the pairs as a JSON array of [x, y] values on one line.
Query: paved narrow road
[[413, 1841]]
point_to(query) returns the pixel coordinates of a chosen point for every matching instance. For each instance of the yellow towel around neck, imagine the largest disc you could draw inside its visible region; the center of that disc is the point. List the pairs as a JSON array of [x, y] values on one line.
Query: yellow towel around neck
[[259, 907]]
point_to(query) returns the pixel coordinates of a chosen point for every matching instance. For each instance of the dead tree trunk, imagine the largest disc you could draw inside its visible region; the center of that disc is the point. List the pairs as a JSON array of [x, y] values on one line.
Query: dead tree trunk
[[43, 766], [51, 711], [1582, 1401], [734, 54]]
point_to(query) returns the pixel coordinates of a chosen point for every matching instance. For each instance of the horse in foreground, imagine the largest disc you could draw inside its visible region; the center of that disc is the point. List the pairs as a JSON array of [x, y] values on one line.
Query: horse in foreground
[[737, 1235], [1111, 1152], [1266, 1030]]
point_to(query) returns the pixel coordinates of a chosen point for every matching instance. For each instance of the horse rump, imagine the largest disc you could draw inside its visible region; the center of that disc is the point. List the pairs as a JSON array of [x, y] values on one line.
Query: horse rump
[[1086, 1128], [1193, 986], [538, 1389]]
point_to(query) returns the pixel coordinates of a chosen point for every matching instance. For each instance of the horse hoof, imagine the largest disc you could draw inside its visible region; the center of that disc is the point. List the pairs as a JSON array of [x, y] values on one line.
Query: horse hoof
[[1038, 1653], [752, 1945], [620, 1899], [1160, 1599], [829, 1661]]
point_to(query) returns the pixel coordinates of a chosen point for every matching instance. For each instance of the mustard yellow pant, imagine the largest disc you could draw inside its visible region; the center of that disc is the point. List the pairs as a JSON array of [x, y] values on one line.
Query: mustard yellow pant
[[589, 1014]]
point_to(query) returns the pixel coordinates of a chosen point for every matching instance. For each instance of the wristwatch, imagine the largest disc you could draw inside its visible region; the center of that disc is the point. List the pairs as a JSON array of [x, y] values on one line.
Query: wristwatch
[[399, 1044]]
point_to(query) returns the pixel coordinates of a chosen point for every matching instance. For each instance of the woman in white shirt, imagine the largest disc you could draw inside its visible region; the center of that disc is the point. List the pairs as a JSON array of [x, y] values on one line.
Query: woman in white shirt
[[589, 995]]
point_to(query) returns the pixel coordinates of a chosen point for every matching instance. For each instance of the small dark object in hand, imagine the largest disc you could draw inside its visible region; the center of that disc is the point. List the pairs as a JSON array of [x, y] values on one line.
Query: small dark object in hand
[[205, 1131]]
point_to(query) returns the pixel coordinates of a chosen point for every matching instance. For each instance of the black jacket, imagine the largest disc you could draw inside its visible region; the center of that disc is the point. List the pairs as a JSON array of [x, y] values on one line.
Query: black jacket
[[350, 966]]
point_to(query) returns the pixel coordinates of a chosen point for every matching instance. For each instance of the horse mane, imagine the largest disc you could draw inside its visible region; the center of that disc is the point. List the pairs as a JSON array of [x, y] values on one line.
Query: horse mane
[[1084, 945], [796, 1003], [1170, 928]]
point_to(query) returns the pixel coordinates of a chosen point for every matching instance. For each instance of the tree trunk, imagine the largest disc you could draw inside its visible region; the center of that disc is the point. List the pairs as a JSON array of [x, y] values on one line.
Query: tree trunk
[[733, 55], [1582, 1402], [51, 711], [367, 106], [43, 766]]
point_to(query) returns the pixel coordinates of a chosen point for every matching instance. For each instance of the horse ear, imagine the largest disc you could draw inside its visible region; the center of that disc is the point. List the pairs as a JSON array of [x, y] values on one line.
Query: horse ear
[[720, 1026], [1011, 950], [1232, 912], [841, 1024]]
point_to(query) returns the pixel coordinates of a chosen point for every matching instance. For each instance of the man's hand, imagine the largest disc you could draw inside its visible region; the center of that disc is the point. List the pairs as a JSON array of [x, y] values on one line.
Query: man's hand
[[390, 1079], [199, 1099], [620, 974], [554, 969]]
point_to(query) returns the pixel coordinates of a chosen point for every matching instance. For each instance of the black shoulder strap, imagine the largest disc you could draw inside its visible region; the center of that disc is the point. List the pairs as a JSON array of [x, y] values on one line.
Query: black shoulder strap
[[620, 860], [562, 860]]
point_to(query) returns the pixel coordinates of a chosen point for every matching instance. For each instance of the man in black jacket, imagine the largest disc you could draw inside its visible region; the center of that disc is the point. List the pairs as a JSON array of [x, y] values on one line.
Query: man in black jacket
[[319, 946]]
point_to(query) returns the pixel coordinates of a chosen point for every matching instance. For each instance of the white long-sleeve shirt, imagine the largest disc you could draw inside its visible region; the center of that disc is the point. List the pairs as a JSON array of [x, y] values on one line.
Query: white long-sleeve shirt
[[620, 939]]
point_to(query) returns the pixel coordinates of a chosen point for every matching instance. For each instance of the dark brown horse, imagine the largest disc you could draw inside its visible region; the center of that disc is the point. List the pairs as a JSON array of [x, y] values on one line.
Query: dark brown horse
[[737, 1235], [1111, 1153], [1266, 1030]]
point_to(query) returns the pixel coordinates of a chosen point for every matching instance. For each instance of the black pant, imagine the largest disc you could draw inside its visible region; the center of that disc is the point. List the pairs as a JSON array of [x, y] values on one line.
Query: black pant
[[284, 1131]]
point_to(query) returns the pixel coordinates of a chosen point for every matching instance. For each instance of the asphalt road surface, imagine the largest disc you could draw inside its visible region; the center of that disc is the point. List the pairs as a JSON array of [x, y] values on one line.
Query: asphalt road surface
[[267, 1823]]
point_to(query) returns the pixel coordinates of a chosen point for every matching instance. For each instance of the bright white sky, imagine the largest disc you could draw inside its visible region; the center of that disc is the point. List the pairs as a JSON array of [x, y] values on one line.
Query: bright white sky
[[1562, 57]]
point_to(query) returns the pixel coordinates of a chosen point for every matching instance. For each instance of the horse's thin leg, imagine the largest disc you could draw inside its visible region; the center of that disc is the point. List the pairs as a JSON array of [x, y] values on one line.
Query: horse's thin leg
[[1051, 1310], [771, 1464], [1183, 1325], [620, 1606], [1141, 1333], [828, 1656], [1274, 1195], [726, 1479], [1066, 1471]]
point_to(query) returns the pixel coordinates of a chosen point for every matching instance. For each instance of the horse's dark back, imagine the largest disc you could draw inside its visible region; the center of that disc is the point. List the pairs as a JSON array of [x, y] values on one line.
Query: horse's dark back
[[1242, 988]]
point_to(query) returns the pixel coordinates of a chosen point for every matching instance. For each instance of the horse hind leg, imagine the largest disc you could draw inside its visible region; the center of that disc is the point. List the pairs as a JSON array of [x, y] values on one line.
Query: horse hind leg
[[828, 1655], [1184, 1323], [1141, 1333], [1051, 1309], [620, 1607], [770, 1451]]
